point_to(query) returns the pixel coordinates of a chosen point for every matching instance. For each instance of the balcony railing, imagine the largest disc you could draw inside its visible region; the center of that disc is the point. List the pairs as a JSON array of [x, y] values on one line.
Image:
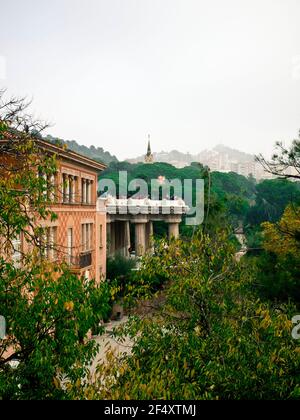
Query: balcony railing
[[83, 260]]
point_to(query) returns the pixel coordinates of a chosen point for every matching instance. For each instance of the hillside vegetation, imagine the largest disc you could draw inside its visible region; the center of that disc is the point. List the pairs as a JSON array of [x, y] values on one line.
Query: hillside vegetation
[[243, 201], [98, 154]]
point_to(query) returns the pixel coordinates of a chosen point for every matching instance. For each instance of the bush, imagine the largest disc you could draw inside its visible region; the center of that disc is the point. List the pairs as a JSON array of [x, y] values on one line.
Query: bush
[[278, 278], [119, 267], [212, 338]]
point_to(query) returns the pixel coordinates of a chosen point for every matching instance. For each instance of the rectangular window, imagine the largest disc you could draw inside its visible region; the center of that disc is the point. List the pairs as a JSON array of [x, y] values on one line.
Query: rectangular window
[[69, 188], [52, 241], [86, 236], [17, 248], [91, 236], [70, 245], [83, 240], [87, 227], [48, 243], [101, 237], [48, 186], [86, 191]]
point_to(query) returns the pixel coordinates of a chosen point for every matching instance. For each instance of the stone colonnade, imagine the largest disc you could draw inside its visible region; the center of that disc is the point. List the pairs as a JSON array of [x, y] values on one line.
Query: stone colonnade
[[118, 234]]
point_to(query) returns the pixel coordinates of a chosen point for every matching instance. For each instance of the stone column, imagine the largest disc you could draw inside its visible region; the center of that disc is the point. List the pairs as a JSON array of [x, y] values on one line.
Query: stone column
[[71, 189], [108, 235], [173, 230], [67, 200], [88, 191], [140, 239], [123, 238], [64, 188], [119, 237], [149, 235], [127, 238], [83, 191], [112, 240]]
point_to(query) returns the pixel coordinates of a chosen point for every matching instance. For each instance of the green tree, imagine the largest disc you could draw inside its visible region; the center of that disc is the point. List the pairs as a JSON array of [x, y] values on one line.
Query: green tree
[[48, 310], [279, 264], [285, 163], [272, 197], [278, 207], [212, 338]]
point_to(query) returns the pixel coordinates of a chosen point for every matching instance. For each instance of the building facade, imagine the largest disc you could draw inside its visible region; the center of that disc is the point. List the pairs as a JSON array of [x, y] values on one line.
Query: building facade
[[78, 235], [79, 232]]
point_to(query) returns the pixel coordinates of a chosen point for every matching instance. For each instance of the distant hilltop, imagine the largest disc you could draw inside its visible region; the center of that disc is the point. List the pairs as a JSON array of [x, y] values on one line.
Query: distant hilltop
[[91, 152], [221, 158]]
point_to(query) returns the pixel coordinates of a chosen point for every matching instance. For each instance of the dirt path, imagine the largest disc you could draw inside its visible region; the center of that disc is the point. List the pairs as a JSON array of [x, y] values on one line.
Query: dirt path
[[107, 341]]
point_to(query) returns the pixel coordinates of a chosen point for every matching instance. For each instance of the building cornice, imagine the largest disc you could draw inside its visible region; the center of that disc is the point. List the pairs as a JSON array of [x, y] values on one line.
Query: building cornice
[[70, 155], [66, 154]]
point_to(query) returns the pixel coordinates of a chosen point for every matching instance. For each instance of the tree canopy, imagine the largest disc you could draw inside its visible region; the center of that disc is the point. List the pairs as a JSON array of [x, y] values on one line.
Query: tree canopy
[[48, 310]]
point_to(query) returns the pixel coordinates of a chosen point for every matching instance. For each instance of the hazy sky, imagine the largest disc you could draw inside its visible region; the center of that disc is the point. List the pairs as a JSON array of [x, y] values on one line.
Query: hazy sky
[[192, 73]]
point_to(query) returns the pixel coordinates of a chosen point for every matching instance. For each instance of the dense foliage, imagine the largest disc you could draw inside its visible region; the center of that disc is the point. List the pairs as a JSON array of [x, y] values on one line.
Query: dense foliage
[[212, 338], [96, 153], [49, 314], [119, 267], [278, 208], [223, 328], [271, 198], [207, 325], [48, 310], [279, 264], [232, 198]]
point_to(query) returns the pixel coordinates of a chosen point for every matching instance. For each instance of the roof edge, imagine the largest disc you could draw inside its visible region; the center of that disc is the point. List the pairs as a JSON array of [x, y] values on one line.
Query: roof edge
[[70, 154]]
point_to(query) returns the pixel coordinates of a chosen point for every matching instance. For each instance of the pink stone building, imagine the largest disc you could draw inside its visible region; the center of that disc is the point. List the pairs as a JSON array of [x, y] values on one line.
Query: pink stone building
[[78, 235], [79, 232]]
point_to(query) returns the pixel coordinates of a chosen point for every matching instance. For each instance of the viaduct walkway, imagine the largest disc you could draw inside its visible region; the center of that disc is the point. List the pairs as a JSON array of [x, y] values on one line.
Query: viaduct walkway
[[142, 213]]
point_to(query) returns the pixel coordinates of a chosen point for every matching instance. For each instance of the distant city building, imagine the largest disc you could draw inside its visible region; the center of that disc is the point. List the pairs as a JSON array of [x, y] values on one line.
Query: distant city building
[[219, 159]]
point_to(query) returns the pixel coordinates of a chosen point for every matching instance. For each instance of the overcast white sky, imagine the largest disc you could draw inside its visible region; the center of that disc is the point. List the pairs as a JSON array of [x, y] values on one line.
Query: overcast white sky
[[192, 73]]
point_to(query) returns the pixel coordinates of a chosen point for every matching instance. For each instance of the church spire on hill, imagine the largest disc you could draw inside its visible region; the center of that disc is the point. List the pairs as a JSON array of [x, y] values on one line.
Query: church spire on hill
[[149, 155]]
